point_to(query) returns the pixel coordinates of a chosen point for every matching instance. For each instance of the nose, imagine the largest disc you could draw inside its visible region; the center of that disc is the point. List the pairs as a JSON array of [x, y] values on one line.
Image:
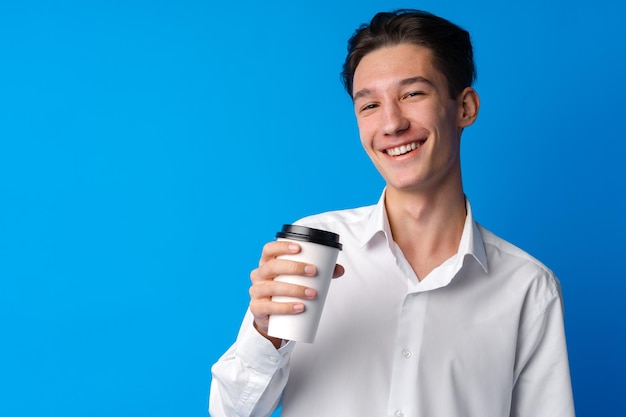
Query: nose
[[394, 122]]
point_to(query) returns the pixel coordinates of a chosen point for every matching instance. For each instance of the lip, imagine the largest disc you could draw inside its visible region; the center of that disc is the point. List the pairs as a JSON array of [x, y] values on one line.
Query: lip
[[404, 149]]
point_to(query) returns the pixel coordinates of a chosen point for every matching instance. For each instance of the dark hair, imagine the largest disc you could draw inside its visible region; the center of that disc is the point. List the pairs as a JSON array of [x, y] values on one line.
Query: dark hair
[[451, 45]]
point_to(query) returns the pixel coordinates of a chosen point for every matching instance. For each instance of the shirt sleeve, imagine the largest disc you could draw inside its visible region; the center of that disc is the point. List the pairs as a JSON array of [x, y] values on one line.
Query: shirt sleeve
[[248, 380], [542, 385]]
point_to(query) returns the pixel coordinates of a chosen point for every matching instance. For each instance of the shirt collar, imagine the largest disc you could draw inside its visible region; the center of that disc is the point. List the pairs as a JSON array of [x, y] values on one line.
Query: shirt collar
[[471, 239], [377, 223]]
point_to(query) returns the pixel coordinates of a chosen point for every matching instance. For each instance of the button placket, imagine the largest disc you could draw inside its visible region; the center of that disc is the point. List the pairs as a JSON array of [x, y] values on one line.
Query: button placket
[[406, 360]]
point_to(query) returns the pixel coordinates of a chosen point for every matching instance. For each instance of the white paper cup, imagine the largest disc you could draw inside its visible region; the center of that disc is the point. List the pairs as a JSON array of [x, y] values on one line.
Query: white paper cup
[[319, 248]]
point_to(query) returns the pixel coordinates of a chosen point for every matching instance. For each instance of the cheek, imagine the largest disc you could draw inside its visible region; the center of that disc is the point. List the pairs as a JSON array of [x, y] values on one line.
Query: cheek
[[367, 145], [365, 132]]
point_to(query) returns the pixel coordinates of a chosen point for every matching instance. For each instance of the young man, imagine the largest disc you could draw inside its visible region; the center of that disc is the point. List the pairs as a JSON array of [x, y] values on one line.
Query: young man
[[434, 316]]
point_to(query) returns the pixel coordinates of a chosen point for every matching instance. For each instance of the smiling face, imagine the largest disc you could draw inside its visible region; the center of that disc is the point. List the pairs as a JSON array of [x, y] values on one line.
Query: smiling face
[[409, 125]]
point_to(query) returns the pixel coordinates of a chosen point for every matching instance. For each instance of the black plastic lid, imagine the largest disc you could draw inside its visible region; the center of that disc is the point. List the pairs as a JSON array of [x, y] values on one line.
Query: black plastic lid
[[308, 234]]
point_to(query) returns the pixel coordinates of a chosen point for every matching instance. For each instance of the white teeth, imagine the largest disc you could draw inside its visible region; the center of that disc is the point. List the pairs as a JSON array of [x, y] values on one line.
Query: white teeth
[[401, 150]]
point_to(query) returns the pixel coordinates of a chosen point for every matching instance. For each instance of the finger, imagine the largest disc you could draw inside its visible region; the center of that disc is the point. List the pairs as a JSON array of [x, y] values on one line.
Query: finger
[[339, 271], [273, 249], [271, 269], [265, 290], [262, 309]]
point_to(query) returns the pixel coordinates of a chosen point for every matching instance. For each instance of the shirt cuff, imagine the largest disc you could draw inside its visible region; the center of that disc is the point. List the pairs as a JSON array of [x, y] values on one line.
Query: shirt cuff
[[259, 353]]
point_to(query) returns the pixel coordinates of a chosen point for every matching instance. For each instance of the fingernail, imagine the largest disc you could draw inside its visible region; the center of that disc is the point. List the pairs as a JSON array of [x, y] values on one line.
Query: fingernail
[[309, 269], [293, 247], [298, 307], [310, 293]]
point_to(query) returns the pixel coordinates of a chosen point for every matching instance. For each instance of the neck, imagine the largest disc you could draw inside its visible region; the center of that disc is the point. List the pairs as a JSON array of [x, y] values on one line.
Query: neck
[[426, 226]]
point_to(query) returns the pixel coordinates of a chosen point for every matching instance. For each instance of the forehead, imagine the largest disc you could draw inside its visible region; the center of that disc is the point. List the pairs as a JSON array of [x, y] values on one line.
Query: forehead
[[389, 63]]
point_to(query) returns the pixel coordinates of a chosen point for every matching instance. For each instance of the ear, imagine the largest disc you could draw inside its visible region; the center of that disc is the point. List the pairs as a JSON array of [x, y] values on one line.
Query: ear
[[469, 104]]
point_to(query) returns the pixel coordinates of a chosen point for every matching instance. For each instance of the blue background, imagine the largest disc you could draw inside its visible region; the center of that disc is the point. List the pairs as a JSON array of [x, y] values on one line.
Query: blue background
[[148, 149]]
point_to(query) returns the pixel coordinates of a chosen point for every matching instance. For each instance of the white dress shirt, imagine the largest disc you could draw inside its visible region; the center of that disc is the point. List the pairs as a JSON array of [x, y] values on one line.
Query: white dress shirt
[[481, 336]]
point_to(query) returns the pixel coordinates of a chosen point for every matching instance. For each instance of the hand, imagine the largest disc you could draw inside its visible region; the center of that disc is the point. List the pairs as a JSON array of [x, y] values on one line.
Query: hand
[[264, 287]]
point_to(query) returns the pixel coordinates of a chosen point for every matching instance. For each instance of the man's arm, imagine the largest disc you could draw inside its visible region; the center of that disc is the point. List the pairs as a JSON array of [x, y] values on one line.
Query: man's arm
[[249, 378], [542, 386]]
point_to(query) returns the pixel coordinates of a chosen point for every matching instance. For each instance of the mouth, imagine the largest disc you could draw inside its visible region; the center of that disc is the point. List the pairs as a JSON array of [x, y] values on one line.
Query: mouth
[[404, 149]]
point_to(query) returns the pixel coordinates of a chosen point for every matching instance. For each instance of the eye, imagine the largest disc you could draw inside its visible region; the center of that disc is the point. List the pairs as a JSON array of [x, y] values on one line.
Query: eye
[[412, 94], [369, 106]]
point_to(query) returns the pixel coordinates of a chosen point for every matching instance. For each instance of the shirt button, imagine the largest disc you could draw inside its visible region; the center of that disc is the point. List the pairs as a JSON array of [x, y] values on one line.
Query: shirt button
[[399, 413], [406, 353], [273, 359]]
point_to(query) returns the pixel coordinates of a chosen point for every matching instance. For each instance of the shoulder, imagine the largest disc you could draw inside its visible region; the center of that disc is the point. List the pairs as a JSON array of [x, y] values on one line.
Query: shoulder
[[338, 219], [495, 244], [519, 268], [351, 225]]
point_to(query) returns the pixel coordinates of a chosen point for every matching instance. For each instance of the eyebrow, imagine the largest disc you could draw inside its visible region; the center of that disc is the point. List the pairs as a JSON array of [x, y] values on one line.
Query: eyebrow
[[407, 81]]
